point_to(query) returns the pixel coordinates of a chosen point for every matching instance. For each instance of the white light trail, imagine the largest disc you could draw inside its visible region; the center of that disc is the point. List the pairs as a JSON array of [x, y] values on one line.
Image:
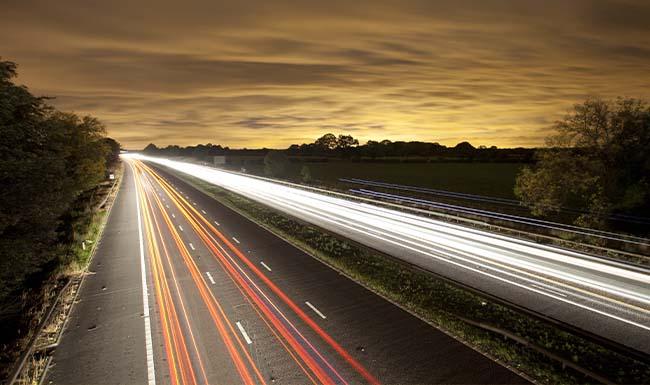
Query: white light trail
[[600, 286]]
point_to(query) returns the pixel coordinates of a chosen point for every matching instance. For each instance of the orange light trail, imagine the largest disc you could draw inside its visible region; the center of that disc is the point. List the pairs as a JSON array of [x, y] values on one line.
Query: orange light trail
[[204, 231], [316, 369], [177, 356], [181, 369], [218, 316]]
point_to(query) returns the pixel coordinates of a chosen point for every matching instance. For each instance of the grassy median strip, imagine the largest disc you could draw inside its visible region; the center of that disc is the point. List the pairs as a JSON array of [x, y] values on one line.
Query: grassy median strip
[[535, 348]]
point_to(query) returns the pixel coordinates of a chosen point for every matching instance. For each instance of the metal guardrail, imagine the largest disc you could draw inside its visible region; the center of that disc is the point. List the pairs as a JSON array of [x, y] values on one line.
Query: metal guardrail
[[30, 350], [480, 198], [508, 217], [545, 352]]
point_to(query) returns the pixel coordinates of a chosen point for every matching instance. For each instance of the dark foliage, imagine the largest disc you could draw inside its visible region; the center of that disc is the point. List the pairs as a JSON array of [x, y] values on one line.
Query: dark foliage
[[598, 163], [345, 146], [47, 159]]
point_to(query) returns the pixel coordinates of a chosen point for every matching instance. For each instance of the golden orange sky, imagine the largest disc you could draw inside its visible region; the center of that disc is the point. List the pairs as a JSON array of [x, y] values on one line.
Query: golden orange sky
[[272, 73]]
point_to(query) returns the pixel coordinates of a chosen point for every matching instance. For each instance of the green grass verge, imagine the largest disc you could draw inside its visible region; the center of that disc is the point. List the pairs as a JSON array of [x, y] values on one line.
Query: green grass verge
[[86, 230], [445, 305]]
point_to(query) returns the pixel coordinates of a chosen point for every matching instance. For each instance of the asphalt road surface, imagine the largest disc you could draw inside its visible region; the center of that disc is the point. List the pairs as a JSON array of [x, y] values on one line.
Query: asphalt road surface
[[183, 290], [604, 297]]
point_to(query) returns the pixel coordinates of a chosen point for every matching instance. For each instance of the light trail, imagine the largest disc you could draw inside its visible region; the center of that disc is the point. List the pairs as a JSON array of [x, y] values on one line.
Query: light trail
[[305, 349], [176, 346], [599, 287], [507, 217], [223, 325], [181, 371], [151, 372]]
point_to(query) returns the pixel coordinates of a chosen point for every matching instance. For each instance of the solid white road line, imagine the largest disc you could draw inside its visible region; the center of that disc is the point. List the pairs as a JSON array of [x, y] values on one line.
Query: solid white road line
[[236, 240], [243, 333], [210, 277], [217, 223], [265, 266], [151, 372], [180, 227], [192, 246], [315, 310], [203, 211]]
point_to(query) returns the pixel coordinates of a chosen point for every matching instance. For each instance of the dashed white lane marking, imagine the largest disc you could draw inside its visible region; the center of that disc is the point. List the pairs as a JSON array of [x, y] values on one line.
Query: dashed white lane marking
[[315, 310], [194, 203], [243, 333], [265, 266], [217, 223], [235, 239], [550, 290], [210, 277], [151, 372], [173, 216], [180, 227], [203, 211], [192, 246], [167, 206]]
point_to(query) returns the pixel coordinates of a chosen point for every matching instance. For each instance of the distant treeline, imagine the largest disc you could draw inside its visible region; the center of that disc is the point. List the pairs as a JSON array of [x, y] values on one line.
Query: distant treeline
[[48, 159], [347, 147]]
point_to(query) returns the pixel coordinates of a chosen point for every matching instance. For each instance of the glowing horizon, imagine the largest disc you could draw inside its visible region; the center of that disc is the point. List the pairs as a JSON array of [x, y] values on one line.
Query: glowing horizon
[[270, 75]]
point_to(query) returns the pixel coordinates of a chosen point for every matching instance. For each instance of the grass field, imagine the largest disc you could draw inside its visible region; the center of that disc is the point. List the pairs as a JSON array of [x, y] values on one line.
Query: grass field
[[490, 179]]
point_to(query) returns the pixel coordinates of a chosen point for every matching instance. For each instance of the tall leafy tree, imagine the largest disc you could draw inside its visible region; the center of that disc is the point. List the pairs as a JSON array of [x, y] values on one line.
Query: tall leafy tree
[[597, 162], [47, 158], [327, 142]]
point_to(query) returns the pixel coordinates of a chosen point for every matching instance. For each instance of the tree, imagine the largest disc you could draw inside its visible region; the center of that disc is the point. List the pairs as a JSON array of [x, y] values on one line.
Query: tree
[[48, 158], [305, 173], [113, 151], [151, 149], [276, 164], [345, 145], [464, 147], [597, 162], [326, 142], [346, 141]]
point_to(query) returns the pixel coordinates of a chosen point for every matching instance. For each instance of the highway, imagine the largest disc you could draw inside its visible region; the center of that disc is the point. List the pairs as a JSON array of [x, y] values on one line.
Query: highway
[[182, 290], [606, 298]]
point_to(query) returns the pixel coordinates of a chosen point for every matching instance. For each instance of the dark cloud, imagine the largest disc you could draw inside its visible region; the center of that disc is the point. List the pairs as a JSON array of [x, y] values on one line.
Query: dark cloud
[[261, 73], [254, 123]]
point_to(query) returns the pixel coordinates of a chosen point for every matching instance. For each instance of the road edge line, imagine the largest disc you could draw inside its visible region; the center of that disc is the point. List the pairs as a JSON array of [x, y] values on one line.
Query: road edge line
[[151, 372]]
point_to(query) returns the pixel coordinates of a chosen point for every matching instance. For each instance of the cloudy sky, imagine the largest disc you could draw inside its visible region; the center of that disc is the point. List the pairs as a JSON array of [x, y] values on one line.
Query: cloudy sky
[[251, 73]]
